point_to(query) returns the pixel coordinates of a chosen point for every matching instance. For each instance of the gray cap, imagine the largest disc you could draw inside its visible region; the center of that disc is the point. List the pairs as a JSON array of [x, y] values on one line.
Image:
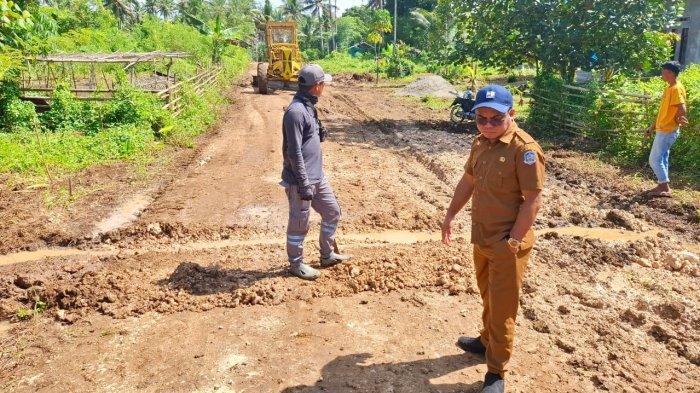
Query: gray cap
[[312, 74]]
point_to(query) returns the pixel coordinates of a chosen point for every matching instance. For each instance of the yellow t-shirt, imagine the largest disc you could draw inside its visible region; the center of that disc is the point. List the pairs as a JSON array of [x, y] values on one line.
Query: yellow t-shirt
[[666, 120]]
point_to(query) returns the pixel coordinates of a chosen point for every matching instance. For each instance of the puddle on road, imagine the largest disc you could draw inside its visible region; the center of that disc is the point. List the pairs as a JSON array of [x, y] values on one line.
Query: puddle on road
[[124, 214], [606, 234], [28, 256], [348, 239], [395, 237]]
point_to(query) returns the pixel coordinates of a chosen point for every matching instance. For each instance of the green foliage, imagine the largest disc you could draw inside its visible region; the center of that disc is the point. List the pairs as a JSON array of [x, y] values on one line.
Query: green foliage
[[378, 25], [15, 24], [133, 106], [84, 39], [616, 121], [39, 307], [398, 66], [398, 63], [338, 62], [9, 91], [9, 61], [67, 113], [68, 151], [20, 116], [24, 313], [562, 35], [350, 31], [155, 35], [75, 134]]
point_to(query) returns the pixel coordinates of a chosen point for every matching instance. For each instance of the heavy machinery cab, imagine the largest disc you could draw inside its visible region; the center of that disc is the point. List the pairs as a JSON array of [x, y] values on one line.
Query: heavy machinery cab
[[283, 55]]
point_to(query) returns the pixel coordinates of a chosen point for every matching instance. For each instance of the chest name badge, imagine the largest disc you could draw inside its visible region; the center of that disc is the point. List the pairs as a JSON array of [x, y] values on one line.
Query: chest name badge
[[529, 158]]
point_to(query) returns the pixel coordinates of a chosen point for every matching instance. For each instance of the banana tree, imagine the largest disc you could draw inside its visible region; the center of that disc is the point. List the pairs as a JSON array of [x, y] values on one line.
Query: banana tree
[[15, 23], [220, 37], [379, 25]]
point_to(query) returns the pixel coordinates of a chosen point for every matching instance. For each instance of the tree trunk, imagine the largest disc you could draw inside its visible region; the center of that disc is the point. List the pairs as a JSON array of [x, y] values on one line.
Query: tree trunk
[[376, 59], [320, 27]]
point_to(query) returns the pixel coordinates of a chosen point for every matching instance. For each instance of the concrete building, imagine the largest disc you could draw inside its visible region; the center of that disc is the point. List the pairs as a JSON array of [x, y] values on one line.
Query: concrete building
[[688, 47]]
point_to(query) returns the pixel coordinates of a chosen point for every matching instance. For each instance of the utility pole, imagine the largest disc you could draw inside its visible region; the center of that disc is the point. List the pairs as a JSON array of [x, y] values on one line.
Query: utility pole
[[335, 25], [331, 28], [395, 18]]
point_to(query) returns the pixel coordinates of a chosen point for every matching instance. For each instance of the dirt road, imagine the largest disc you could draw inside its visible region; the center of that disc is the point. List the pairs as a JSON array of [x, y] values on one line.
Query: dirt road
[[192, 294]]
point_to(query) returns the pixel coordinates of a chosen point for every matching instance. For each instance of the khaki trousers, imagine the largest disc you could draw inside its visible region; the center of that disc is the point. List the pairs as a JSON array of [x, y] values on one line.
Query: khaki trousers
[[499, 275]]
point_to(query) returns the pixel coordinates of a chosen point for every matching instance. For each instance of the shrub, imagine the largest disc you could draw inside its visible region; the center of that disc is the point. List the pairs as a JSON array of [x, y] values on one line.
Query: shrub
[[20, 116], [398, 68], [68, 113], [614, 120]]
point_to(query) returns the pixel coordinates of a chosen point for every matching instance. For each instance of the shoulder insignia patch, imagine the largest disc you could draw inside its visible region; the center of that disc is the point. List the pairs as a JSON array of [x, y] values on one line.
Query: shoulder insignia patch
[[529, 157]]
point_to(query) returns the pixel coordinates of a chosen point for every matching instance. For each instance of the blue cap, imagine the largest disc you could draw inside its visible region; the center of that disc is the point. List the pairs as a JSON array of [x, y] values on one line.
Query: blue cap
[[495, 97]]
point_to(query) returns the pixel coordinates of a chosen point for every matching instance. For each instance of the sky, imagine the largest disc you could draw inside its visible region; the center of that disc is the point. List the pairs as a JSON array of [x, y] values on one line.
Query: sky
[[342, 4]]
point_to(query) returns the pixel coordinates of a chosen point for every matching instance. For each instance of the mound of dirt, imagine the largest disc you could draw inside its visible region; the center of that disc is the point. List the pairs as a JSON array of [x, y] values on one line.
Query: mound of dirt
[[351, 78], [115, 285], [430, 85]]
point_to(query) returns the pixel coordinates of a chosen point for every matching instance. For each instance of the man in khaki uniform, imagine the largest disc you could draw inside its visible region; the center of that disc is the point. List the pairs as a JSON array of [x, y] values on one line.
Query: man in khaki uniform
[[504, 177]]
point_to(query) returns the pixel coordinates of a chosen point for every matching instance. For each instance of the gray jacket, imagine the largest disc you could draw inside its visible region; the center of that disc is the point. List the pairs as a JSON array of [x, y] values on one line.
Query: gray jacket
[[301, 144]]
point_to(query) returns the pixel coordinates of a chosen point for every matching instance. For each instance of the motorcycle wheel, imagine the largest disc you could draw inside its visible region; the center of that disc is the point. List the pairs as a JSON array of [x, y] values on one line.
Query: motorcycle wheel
[[456, 115]]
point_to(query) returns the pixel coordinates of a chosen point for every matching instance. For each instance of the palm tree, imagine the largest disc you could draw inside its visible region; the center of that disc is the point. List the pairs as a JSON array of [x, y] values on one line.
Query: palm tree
[[293, 9], [267, 10], [151, 7], [332, 14], [377, 4], [123, 10], [315, 7], [308, 31], [191, 7], [277, 14], [166, 8]]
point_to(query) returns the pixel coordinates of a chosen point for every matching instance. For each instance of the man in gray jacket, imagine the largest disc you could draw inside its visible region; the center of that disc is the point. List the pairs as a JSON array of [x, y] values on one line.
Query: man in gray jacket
[[303, 178]]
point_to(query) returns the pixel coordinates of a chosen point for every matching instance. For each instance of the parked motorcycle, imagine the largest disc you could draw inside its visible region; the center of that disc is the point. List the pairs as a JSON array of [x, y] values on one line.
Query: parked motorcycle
[[461, 109]]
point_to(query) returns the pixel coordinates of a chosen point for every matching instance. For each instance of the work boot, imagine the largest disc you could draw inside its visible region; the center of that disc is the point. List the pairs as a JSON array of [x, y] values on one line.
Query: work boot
[[334, 259], [304, 271], [471, 344], [493, 383]]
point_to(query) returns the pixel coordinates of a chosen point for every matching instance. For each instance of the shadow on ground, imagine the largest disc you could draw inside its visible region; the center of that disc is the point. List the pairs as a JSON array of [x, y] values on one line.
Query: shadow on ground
[[348, 374], [196, 279]]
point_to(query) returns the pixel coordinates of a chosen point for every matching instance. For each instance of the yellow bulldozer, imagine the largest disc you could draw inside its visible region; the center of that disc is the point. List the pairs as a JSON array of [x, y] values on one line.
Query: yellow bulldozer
[[283, 56]]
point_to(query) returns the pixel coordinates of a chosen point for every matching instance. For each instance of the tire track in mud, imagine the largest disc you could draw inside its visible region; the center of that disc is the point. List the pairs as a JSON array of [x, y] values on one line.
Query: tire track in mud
[[391, 128]]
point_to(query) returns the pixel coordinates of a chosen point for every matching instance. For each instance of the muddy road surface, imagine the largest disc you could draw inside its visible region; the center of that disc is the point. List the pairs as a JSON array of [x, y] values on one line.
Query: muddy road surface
[[179, 283]]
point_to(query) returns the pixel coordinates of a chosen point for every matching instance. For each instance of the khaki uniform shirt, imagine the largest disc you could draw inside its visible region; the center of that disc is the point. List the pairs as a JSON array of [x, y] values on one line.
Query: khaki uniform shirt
[[502, 170]]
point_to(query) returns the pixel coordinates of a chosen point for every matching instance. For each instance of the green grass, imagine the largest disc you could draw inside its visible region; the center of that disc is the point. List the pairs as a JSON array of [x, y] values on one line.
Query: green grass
[[436, 103], [339, 62], [35, 153], [35, 156]]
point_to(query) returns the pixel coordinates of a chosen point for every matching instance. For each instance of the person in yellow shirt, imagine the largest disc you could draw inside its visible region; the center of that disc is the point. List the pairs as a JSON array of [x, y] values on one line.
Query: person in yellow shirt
[[672, 115]]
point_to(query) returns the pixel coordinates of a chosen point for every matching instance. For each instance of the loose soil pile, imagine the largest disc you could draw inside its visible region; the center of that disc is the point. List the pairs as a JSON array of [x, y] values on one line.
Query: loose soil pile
[[429, 86]]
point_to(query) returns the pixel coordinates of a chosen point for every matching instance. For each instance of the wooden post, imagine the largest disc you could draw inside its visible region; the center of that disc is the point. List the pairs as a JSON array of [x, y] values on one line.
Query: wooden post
[[167, 81], [72, 72], [93, 78]]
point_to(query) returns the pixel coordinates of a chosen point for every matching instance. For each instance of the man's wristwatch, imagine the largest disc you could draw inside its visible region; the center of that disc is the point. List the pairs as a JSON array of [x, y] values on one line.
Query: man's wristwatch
[[514, 243]]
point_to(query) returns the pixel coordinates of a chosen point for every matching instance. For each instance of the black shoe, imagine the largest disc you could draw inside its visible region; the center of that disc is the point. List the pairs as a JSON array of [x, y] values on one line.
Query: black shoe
[[493, 383], [471, 344]]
